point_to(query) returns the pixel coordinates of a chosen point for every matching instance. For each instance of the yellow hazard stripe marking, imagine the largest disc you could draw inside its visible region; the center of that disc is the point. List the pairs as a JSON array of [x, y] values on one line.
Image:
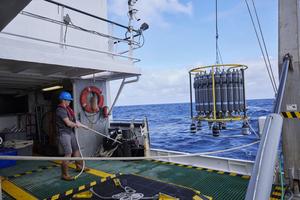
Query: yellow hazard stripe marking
[[232, 174], [196, 197], [69, 192], [83, 195], [55, 197], [81, 188], [99, 173], [93, 183], [177, 185], [277, 188], [291, 115], [74, 191], [246, 177], [201, 168], [16, 192], [91, 171], [276, 193]]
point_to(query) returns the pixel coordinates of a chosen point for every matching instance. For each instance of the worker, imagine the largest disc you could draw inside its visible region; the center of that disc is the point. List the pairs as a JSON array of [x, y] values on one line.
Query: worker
[[66, 124]]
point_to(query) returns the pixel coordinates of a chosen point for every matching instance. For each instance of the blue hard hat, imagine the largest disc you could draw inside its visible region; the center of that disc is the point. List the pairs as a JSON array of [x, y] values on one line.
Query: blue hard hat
[[65, 96]]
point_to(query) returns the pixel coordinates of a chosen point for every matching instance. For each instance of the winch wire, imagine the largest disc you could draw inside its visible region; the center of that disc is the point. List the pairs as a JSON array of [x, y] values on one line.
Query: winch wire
[[261, 49], [264, 43]]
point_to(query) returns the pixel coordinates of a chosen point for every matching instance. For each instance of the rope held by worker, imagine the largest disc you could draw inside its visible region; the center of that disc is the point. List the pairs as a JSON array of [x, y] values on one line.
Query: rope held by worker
[[94, 131]]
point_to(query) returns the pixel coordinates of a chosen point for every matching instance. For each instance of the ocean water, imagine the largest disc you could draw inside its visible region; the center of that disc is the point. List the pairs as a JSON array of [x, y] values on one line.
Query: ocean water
[[169, 126]]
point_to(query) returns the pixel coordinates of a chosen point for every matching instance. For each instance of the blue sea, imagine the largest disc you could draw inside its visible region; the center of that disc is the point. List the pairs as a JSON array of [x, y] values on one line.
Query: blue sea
[[169, 126]]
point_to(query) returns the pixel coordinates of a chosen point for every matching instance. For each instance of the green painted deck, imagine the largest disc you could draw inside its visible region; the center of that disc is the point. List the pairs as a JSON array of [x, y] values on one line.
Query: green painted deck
[[44, 182]]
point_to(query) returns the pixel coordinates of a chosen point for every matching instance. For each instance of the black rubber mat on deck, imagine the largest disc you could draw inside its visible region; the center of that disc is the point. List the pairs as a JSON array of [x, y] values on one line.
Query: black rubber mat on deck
[[140, 185]]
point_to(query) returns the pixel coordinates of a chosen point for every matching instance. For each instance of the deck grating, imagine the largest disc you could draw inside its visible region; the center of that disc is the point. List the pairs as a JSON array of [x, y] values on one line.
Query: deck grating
[[45, 183]]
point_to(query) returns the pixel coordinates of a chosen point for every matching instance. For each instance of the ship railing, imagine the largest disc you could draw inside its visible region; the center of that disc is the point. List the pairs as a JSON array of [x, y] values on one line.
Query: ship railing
[[113, 41]]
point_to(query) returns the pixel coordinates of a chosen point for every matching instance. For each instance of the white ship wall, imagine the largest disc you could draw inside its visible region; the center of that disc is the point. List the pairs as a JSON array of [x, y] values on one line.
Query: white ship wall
[[28, 50], [89, 141], [33, 62], [32, 27]]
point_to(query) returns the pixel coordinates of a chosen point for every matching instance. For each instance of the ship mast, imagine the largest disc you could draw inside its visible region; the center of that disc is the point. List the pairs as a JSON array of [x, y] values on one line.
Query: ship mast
[[289, 18]]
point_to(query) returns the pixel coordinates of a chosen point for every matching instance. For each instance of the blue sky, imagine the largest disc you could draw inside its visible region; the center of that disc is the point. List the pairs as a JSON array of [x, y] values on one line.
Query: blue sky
[[182, 36]]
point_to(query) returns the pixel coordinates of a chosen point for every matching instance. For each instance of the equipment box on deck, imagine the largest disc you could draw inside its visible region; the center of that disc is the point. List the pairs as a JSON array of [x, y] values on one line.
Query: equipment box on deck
[[24, 151], [23, 147], [7, 152]]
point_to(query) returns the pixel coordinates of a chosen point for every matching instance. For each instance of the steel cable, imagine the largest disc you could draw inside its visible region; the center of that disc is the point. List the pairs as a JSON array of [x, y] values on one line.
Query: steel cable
[[261, 48], [264, 43]]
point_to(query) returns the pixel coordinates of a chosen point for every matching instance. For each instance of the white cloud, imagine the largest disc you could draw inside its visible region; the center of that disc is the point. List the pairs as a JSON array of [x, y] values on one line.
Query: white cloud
[[152, 11], [171, 85], [156, 86], [258, 84]]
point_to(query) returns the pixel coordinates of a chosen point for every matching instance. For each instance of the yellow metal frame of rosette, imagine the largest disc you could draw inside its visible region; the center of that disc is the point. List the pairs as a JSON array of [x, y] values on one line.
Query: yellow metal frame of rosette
[[212, 67], [227, 119]]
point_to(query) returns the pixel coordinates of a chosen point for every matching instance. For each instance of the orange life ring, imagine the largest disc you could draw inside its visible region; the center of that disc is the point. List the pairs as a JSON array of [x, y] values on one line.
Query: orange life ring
[[84, 99]]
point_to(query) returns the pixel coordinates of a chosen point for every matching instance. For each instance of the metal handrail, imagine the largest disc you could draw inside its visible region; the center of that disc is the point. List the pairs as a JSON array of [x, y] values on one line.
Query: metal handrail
[[91, 15], [40, 17], [72, 46]]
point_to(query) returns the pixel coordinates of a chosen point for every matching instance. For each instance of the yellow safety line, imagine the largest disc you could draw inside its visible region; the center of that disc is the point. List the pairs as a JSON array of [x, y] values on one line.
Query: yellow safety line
[[16, 192], [90, 171], [297, 114]]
